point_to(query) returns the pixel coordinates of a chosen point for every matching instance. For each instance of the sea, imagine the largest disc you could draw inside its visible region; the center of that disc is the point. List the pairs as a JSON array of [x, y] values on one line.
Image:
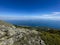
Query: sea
[[43, 23]]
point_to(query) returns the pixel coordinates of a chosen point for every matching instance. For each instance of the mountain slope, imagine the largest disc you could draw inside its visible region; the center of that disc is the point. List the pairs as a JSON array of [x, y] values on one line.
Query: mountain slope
[[50, 36], [24, 35], [10, 35]]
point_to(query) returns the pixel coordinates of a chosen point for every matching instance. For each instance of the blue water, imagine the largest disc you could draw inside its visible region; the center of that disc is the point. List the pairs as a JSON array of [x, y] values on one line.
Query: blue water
[[47, 23]]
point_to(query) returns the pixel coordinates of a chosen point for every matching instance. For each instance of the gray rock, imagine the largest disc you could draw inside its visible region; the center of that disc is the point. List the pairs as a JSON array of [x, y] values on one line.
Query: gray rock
[[19, 36]]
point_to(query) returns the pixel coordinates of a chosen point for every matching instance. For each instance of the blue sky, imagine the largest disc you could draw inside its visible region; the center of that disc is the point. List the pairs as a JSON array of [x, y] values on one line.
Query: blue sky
[[30, 9]]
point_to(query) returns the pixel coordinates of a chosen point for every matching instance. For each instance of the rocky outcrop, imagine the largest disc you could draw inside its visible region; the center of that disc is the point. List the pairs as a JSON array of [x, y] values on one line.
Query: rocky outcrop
[[19, 36]]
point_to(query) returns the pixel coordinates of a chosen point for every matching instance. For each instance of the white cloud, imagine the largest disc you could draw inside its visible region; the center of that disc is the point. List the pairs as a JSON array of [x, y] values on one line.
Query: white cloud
[[56, 13], [52, 16]]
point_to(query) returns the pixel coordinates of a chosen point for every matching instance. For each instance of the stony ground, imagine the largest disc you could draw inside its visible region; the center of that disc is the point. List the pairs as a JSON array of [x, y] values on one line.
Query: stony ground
[[19, 36]]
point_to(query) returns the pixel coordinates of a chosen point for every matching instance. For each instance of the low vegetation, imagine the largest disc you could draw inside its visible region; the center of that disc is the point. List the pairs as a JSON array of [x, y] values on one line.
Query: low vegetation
[[50, 38]]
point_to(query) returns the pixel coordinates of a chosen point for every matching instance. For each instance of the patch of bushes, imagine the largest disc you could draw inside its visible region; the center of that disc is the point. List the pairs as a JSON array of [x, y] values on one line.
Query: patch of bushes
[[50, 38]]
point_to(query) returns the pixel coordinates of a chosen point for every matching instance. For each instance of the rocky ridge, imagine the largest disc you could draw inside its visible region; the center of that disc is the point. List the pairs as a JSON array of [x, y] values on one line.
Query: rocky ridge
[[10, 35]]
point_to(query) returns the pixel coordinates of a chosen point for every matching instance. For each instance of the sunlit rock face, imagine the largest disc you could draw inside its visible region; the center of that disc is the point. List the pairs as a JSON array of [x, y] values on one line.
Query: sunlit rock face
[[19, 36]]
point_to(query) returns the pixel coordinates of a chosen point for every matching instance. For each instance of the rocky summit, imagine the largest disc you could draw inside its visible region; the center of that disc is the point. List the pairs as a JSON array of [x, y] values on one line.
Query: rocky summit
[[10, 35]]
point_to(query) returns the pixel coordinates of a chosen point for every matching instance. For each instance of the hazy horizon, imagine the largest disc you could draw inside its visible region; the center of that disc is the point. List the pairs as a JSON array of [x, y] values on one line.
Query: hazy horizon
[[29, 9]]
